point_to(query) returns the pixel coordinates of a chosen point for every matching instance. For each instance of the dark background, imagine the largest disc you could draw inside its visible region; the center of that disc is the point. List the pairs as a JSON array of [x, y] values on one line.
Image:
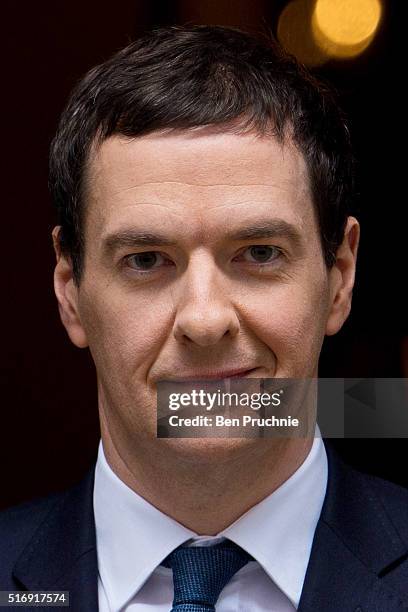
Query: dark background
[[49, 427]]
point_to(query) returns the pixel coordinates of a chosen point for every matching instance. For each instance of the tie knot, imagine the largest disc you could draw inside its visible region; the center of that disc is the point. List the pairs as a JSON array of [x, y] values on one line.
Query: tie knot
[[201, 572]]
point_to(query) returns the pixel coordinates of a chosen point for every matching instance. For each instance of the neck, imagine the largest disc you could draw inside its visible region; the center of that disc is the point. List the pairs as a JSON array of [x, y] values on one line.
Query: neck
[[204, 484]]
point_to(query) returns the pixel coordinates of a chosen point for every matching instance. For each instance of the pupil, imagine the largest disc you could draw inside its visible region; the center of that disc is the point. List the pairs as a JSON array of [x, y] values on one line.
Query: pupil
[[146, 260], [261, 253]]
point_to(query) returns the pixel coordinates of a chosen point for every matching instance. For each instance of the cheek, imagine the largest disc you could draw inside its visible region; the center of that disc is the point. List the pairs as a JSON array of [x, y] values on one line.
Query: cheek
[[125, 332], [290, 320]]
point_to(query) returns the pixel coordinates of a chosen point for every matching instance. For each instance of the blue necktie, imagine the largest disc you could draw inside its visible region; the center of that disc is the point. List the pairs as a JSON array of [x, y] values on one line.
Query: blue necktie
[[201, 572]]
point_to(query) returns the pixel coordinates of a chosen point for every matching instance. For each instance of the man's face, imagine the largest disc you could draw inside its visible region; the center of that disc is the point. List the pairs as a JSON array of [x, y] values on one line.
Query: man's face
[[202, 258]]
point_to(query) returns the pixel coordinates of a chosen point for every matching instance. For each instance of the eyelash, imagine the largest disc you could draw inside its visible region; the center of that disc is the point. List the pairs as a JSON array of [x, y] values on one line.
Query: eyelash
[[142, 272], [277, 250]]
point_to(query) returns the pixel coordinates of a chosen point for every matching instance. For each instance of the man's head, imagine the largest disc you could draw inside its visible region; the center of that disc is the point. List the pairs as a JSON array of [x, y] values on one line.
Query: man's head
[[203, 183], [184, 78]]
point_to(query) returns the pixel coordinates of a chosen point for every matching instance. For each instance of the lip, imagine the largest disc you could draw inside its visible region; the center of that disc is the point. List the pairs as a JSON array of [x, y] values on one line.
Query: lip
[[214, 375]]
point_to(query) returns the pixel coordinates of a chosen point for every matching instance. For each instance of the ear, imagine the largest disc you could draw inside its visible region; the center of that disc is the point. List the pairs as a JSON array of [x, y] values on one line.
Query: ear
[[67, 294], [341, 277]]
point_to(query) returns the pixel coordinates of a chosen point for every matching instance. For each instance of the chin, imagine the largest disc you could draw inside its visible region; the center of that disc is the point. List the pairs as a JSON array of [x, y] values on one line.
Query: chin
[[210, 450]]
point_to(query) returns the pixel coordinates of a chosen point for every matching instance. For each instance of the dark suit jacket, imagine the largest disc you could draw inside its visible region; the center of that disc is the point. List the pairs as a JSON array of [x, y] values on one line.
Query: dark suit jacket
[[358, 563]]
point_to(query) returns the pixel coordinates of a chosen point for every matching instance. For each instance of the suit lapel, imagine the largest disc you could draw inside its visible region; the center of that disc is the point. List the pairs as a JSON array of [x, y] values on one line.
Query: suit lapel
[[358, 561], [62, 553]]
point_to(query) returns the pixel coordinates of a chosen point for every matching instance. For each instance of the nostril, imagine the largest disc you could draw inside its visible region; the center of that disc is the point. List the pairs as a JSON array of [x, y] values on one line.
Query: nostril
[[205, 330]]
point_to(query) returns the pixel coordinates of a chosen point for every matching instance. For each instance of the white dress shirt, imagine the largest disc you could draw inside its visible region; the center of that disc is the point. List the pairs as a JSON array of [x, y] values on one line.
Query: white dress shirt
[[133, 537]]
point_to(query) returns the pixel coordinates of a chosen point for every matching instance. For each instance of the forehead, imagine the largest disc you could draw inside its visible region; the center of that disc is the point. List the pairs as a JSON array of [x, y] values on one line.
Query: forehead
[[204, 180]]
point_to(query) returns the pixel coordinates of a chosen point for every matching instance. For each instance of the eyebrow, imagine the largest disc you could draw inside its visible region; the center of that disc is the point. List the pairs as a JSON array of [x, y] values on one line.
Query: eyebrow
[[268, 228], [133, 238]]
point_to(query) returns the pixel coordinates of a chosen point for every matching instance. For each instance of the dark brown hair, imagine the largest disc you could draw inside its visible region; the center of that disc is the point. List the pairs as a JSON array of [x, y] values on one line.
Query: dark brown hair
[[186, 77]]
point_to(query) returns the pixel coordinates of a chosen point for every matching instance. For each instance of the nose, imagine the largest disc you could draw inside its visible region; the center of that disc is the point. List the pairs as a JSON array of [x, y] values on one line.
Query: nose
[[205, 313]]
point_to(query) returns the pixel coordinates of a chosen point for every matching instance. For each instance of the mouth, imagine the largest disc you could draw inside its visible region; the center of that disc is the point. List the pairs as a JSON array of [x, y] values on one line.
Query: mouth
[[214, 375]]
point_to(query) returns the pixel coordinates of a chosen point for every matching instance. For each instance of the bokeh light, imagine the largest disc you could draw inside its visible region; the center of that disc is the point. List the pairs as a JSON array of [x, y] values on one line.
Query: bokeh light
[[345, 28], [315, 31], [294, 33]]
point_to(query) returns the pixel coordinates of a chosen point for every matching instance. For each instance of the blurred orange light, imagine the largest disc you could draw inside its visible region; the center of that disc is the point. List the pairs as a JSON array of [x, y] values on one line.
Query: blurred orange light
[[294, 33], [345, 28]]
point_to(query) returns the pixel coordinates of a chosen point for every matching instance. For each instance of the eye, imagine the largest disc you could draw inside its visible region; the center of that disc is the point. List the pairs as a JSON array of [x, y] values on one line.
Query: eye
[[261, 253], [146, 261]]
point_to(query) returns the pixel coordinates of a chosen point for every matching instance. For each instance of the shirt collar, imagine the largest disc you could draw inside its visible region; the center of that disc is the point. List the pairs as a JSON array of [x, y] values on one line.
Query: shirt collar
[[278, 531], [133, 536]]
